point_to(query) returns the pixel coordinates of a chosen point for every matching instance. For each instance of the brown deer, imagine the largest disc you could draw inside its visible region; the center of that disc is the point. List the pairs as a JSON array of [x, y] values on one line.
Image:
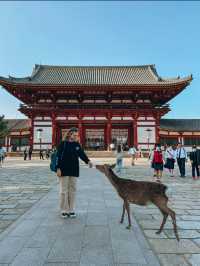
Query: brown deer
[[140, 193]]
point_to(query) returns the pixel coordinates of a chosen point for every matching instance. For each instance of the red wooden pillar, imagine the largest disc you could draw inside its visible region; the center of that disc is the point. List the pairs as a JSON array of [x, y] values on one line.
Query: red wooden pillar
[[53, 117], [80, 129], [135, 131], [31, 132], [108, 133], [158, 128]]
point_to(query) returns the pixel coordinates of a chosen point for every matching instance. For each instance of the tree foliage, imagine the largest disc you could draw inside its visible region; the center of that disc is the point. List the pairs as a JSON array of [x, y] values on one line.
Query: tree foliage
[[3, 127]]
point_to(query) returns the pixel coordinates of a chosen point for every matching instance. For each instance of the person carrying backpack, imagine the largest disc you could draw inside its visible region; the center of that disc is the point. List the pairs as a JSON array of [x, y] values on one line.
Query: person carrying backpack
[[157, 162], [68, 154]]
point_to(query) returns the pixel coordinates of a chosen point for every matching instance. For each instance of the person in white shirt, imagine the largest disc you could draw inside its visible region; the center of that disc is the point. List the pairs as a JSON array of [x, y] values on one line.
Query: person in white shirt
[[112, 146], [170, 158], [119, 159], [181, 156], [133, 152]]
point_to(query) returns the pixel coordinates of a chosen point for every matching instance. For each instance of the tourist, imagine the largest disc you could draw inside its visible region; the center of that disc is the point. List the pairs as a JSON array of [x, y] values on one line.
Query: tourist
[[41, 155], [157, 162], [2, 155], [195, 161], [181, 156], [97, 145], [69, 152], [170, 158], [133, 153], [47, 153], [25, 154], [119, 158], [112, 146], [30, 151]]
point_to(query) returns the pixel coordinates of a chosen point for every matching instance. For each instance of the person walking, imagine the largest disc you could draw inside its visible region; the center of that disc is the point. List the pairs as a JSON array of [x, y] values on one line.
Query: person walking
[[181, 156], [170, 158], [68, 154], [41, 155], [133, 153], [195, 162], [157, 162], [119, 159], [2, 154], [30, 151], [25, 154]]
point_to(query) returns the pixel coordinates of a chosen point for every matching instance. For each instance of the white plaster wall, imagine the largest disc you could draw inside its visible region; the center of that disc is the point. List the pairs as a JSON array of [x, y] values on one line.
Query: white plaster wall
[[42, 123], [149, 123], [145, 147], [143, 135], [46, 135], [43, 147]]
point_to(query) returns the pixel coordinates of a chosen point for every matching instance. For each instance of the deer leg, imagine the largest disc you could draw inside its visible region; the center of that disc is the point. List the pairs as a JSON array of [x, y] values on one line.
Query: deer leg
[[165, 215], [127, 206], [123, 212], [161, 203], [173, 216]]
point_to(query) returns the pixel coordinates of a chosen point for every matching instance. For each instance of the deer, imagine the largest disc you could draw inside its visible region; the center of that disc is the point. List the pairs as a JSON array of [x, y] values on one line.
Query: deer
[[140, 193]]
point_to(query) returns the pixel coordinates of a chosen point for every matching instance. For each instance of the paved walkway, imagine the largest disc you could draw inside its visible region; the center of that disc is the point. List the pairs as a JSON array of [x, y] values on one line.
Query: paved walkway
[[22, 184], [95, 237]]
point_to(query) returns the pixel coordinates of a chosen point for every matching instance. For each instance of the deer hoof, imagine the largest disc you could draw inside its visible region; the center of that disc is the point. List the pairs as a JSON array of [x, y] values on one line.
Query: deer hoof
[[128, 227], [158, 232]]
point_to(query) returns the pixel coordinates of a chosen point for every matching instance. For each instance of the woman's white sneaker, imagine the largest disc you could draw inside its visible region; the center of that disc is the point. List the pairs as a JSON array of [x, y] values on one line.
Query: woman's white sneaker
[[72, 215]]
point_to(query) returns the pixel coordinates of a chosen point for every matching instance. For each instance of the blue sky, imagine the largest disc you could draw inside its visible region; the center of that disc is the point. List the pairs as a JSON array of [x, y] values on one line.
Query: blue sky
[[103, 33]]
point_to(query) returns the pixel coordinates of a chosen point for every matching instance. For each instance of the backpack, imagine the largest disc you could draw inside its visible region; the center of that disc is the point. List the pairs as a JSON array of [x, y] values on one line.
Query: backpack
[[54, 159], [158, 157], [53, 163]]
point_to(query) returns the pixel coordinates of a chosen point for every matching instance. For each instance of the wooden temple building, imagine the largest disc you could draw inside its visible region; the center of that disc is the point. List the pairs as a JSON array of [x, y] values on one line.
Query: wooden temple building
[[109, 104]]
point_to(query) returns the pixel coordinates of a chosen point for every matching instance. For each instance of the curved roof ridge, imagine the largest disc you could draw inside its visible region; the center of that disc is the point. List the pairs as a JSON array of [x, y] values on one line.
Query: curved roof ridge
[[36, 69], [20, 78], [154, 72], [94, 66]]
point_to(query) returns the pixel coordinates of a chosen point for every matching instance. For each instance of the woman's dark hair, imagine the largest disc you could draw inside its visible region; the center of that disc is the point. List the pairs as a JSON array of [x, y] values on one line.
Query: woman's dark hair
[[119, 148]]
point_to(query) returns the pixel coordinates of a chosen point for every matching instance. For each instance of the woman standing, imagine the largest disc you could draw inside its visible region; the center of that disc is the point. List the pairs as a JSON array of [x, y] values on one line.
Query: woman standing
[[170, 157], [68, 155], [157, 162]]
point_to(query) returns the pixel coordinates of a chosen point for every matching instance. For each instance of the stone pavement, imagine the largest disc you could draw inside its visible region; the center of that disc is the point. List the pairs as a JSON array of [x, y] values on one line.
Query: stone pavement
[[95, 237], [22, 184], [41, 237]]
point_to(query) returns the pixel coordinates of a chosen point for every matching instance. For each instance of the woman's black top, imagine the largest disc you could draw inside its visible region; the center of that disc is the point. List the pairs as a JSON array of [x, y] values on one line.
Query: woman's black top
[[68, 158]]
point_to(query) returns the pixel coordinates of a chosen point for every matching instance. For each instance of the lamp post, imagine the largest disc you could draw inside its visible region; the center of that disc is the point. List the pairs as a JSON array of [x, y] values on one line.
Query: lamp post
[[39, 136], [148, 130]]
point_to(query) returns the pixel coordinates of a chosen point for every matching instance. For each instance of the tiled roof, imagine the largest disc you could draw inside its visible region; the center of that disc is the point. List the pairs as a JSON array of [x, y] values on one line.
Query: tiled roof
[[95, 75], [180, 124], [17, 124]]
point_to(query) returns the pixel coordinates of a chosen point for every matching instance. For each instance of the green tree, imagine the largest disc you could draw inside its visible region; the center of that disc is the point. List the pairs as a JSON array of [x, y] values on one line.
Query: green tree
[[3, 127]]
